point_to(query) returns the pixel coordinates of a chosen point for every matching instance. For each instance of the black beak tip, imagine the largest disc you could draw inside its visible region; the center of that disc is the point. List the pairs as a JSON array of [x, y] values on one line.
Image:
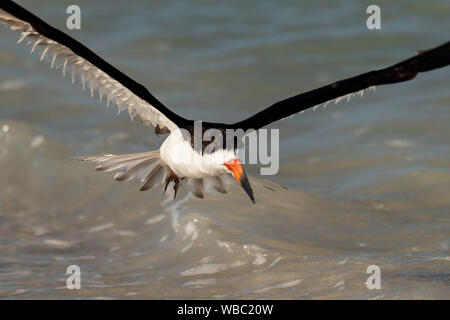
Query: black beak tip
[[247, 187], [250, 195]]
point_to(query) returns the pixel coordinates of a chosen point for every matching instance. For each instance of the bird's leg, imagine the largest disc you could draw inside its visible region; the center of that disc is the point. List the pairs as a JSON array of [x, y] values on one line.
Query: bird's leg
[[172, 177], [176, 182], [167, 183], [175, 189]]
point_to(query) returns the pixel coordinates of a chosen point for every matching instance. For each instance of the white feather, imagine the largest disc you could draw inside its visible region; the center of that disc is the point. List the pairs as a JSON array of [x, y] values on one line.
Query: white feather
[[98, 79]]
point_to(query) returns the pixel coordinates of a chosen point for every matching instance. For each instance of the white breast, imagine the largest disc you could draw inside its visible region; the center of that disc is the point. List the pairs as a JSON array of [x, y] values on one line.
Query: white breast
[[178, 154]]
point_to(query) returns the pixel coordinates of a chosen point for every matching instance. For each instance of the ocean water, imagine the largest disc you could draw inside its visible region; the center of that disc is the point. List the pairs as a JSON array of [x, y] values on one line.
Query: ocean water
[[368, 179]]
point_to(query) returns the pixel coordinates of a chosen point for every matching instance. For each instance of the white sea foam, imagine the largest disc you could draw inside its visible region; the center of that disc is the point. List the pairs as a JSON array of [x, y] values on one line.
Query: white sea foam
[[102, 227], [280, 286], [205, 269], [155, 219]]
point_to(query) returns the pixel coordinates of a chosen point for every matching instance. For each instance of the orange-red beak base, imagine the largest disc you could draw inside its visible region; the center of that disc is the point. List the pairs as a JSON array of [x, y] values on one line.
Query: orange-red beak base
[[235, 166]]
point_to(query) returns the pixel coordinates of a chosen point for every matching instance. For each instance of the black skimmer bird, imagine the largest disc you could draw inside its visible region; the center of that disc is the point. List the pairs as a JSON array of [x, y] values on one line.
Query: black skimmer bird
[[204, 169]]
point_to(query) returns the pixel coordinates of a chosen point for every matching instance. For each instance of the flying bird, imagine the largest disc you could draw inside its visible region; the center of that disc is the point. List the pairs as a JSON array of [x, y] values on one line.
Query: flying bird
[[205, 170]]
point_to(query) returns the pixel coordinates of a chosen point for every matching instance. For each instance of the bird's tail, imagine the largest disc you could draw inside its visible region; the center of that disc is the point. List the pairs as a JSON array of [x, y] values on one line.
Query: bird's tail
[[146, 167], [149, 169]]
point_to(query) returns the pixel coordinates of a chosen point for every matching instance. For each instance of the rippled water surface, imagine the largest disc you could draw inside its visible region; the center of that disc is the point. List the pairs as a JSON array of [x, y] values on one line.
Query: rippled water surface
[[369, 179]]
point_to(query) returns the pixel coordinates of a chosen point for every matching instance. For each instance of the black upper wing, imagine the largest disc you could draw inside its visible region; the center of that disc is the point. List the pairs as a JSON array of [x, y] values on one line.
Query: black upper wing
[[403, 71], [92, 69]]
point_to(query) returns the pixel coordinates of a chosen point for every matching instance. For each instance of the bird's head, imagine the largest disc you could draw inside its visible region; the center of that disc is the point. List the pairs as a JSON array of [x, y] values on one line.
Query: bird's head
[[234, 166]]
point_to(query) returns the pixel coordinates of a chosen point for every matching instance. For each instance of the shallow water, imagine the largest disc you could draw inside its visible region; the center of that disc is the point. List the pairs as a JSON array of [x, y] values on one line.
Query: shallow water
[[368, 179]]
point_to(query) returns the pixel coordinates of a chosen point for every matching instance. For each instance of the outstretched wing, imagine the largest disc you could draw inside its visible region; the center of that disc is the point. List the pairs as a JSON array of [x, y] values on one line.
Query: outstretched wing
[[403, 71], [68, 54]]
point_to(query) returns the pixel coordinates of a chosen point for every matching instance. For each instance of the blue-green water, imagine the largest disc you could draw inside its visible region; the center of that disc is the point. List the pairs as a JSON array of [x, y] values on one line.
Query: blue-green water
[[368, 179]]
